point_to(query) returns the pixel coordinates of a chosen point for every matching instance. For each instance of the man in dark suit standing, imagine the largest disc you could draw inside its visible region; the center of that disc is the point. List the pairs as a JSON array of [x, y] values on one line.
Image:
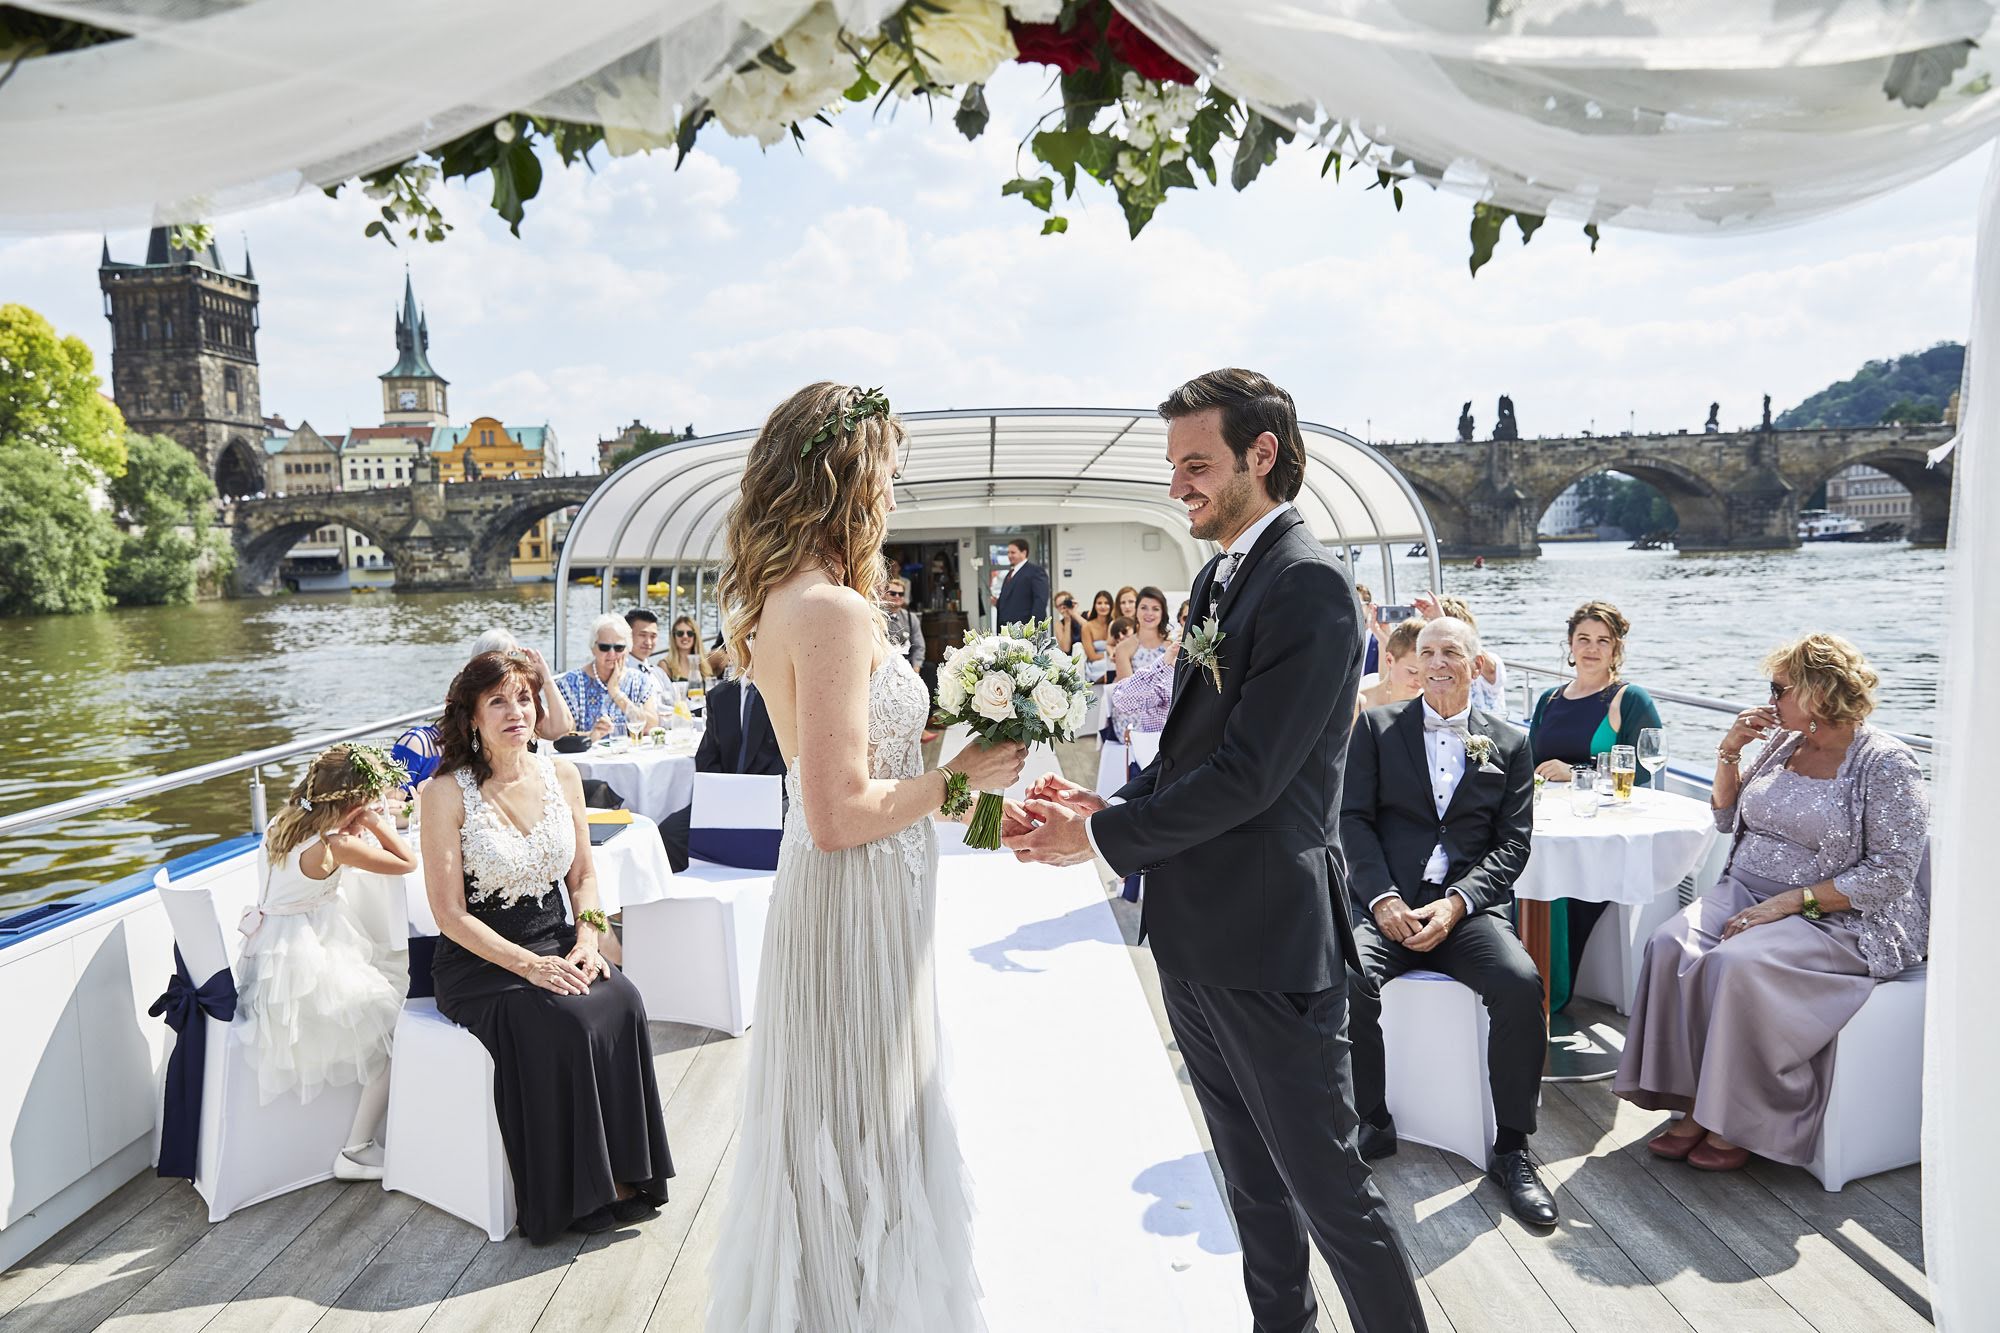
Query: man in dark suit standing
[[738, 736], [1236, 828], [1024, 595], [1436, 819]]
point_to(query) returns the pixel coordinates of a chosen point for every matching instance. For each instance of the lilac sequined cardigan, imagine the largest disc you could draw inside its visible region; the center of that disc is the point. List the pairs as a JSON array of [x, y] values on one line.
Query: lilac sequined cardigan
[[1877, 856]]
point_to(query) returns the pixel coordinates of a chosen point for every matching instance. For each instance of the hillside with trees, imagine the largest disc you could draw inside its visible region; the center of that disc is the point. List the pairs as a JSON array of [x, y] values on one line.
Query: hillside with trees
[[1910, 389]]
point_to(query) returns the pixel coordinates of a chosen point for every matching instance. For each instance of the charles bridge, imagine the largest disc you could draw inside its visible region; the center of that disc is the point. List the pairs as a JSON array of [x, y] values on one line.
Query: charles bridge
[[438, 536], [1737, 490]]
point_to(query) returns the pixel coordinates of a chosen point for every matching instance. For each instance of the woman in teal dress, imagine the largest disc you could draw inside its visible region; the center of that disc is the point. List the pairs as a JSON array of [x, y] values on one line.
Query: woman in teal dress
[[1572, 725]]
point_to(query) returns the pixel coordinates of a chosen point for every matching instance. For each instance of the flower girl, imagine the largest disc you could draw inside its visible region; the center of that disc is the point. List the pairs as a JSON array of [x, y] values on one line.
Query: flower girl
[[316, 1008]]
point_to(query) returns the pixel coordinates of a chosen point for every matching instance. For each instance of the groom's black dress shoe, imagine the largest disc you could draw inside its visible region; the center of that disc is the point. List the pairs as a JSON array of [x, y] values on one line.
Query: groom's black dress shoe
[[1376, 1141], [1527, 1197]]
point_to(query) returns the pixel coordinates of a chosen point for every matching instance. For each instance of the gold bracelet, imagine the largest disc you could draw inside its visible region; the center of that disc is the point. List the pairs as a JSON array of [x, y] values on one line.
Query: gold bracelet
[[1731, 759]]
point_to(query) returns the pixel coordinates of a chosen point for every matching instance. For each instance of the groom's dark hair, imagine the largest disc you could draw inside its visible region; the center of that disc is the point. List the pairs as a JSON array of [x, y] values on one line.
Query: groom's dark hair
[[1251, 405]]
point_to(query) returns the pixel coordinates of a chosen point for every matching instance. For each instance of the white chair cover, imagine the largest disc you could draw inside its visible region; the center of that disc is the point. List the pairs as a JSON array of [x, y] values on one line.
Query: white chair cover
[[443, 1134], [1875, 1109], [1434, 1037]]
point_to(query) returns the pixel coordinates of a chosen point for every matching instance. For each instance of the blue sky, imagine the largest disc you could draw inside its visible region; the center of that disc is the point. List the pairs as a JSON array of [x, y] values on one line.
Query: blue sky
[[885, 254]]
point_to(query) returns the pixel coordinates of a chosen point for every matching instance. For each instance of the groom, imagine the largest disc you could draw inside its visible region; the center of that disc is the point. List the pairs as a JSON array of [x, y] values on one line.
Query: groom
[[1236, 827]]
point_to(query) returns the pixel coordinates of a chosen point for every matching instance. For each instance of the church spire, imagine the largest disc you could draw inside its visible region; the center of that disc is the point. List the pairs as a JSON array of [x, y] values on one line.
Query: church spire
[[413, 340], [106, 261]]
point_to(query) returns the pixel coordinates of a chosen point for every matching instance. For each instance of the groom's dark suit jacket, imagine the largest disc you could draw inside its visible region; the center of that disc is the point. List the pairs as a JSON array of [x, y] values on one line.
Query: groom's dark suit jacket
[[1389, 821], [1236, 823]]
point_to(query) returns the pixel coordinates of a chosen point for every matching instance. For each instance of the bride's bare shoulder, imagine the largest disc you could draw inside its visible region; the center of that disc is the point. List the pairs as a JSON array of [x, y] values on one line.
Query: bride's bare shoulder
[[810, 606]]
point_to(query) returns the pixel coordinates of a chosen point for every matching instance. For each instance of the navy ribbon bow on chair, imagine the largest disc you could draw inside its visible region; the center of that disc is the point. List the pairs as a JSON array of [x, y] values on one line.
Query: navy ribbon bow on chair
[[1131, 893], [187, 1007]]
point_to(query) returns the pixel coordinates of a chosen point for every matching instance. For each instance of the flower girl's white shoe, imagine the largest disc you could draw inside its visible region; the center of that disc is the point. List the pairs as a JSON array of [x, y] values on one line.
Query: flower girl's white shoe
[[354, 1163]]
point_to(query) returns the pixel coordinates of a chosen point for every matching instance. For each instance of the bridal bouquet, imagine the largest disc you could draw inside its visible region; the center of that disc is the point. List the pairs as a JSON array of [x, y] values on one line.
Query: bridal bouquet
[[1012, 686]]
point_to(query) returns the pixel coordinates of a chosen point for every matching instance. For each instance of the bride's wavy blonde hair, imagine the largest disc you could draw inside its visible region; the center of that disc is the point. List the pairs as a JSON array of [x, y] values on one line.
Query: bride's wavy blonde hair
[[808, 503]]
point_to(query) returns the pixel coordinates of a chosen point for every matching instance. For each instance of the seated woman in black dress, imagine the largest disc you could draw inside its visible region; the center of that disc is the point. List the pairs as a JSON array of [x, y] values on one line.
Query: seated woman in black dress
[[503, 837], [1572, 725]]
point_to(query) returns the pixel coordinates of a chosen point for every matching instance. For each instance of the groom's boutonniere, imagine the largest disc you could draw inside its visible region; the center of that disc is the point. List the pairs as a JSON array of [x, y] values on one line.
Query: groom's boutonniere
[[1204, 648], [1481, 750]]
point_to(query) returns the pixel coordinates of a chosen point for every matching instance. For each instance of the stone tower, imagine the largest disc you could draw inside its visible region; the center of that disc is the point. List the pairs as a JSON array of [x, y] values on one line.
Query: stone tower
[[184, 355], [412, 393]]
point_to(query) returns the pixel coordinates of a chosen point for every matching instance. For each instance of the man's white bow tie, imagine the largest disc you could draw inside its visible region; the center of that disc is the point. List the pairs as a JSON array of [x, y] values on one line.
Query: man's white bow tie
[[1432, 722]]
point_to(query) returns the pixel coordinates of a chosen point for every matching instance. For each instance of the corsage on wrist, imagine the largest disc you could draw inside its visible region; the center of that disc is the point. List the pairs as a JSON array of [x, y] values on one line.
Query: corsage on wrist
[[957, 794], [595, 919]]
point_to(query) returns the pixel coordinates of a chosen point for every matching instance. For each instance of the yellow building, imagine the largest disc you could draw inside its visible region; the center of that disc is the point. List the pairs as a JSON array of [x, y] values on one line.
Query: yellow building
[[487, 450]]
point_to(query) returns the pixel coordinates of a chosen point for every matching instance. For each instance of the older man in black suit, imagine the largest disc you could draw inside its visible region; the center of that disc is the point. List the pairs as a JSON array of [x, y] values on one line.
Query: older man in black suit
[[738, 736], [1436, 815]]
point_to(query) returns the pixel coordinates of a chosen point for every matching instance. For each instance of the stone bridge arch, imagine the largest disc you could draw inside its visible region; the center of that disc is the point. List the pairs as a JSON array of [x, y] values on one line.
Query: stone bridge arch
[[1450, 519], [1909, 466], [239, 468], [263, 537], [505, 515], [1701, 508]]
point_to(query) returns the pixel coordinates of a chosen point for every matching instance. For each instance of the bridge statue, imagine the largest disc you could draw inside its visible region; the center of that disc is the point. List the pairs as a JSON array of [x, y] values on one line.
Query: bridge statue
[[1465, 424], [1767, 414], [1504, 427], [470, 467], [1713, 426]]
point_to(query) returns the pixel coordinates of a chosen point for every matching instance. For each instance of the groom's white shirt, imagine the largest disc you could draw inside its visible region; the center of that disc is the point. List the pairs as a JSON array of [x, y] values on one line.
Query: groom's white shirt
[[1241, 546]]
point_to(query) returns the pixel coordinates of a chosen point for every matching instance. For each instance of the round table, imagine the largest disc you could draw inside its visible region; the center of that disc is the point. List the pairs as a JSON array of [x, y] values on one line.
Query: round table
[[1629, 853], [655, 781]]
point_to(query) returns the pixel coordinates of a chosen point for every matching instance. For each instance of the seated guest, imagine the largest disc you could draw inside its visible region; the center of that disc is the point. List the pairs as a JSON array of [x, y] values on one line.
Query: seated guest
[[605, 691], [1436, 816], [683, 661], [1122, 628], [573, 1080], [645, 628], [1096, 638], [1572, 724], [1402, 674], [1371, 658], [417, 749], [738, 737], [1489, 673], [1825, 894]]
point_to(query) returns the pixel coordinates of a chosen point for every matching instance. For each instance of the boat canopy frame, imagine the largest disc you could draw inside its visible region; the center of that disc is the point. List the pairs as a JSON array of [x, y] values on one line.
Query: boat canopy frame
[[664, 511]]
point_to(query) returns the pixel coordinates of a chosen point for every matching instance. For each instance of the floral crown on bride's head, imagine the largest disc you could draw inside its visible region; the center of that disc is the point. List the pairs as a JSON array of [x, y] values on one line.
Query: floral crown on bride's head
[[872, 403]]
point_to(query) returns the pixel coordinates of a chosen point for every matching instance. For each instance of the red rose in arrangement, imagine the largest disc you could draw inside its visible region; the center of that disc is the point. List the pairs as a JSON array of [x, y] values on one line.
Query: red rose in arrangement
[[1142, 53], [1048, 44]]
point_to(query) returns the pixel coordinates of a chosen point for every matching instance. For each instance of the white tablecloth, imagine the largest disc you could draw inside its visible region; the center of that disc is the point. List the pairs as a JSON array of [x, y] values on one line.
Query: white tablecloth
[[1632, 852], [632, 867], [654, 781]]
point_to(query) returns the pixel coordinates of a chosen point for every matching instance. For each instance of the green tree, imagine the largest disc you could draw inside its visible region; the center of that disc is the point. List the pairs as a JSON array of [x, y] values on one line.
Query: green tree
[[171, 549], [644, 442], [1904, 412], [50, 397], [54, 545], [1878, 388]]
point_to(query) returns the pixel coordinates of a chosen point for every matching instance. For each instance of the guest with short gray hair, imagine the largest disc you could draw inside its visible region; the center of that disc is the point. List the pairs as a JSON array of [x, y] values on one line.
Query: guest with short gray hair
[[604, 692], [1826, 893]]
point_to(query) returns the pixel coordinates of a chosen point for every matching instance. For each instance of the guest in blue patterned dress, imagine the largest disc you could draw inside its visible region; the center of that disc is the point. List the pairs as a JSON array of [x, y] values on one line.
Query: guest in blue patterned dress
[[419, 748], [605, 691]]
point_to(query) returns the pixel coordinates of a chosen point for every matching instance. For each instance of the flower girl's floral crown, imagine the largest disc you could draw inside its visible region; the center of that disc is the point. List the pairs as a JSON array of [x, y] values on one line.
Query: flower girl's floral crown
[[375, 769], [872, 403]]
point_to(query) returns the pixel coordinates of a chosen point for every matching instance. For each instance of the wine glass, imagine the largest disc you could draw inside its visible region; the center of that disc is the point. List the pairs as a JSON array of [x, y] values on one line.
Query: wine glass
[[635, 727], [1653, 753]]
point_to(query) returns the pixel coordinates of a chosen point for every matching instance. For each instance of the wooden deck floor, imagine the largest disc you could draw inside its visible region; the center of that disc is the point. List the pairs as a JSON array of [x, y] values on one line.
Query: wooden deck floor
[[1645, 1246]]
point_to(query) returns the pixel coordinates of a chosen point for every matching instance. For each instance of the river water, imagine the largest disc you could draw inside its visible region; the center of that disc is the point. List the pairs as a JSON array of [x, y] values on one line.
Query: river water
[[91, 701]]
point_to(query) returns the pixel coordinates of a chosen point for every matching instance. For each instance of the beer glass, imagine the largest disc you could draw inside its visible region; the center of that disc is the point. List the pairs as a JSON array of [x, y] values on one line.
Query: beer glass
[[1624, 768]]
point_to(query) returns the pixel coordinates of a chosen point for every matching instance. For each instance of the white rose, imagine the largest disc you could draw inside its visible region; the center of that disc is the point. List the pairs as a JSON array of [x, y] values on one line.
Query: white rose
[[1035, 11], [994, 699], [1027, 675], [951, 693], [965, 43], [760, 103], [1079, 712], [1052, 702]]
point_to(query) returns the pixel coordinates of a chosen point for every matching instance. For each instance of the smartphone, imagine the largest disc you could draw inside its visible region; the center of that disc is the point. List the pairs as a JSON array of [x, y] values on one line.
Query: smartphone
[[1390, 615]]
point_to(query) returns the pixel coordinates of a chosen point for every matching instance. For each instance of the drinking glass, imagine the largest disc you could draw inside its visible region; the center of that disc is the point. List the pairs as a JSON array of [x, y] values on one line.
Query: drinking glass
[[635, 727], [1653, 753], [1583, 792], [1624, 768], [1601, 767]]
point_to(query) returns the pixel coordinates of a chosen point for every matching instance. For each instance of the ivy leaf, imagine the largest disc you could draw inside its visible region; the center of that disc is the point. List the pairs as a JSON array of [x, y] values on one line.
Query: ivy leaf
[[1257, 148], [1176, 175], [1486, 222], [1203, 133], [517, 178], [1063, 151], [1138, 211], [1040, 191], [377, 229], [865, 86], [1529, 224], [1332, 164], [1055, 225], [1590, 230], [972, 112], [690, 126]]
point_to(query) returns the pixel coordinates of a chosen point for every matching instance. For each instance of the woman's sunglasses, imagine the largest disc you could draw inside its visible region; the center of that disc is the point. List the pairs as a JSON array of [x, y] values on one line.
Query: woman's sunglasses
[[683, 634], [610, 647], [1778, 691]]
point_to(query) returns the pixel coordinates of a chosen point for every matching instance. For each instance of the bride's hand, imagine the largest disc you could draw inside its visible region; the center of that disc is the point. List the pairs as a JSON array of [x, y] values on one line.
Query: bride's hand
[[990, 767], [1059, 790]]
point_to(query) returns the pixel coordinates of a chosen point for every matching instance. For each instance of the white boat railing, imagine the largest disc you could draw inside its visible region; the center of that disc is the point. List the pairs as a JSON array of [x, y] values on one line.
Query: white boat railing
[[251, 760], [1921, 744]]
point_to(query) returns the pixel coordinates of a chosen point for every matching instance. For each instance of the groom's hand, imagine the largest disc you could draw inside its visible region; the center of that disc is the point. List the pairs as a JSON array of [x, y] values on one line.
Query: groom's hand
[[1059, 841], [1014, 822], [1059, 790]]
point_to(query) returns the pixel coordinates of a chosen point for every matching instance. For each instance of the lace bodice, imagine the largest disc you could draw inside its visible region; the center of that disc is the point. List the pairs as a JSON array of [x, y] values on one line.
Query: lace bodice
[[503, 866], [898, 706]]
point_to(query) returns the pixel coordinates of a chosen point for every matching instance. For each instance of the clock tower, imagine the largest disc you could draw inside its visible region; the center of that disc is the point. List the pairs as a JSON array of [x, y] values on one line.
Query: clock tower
[[412, 393]]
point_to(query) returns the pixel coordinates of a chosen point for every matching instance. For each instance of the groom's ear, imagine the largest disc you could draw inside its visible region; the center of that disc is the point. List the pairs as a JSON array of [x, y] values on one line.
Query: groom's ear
[[1262, 455]]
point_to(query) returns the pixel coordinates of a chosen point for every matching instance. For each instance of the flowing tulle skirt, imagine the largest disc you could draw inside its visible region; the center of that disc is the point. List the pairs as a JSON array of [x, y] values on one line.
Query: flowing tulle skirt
[[315, 1007], [849, 1211]]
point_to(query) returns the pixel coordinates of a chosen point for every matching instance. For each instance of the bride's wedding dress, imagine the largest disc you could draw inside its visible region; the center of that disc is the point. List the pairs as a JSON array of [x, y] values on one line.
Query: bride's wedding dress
[[849, 1211]]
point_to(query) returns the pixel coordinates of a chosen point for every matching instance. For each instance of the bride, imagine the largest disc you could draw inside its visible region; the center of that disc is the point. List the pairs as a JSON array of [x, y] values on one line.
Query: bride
[[848, 1212]]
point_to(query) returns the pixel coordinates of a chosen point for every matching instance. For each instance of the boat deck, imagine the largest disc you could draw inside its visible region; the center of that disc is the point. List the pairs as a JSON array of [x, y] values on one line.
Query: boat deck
[[1644, 1246]]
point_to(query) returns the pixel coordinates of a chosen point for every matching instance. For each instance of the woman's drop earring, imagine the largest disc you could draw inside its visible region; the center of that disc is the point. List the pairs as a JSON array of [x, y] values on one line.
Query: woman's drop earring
[[475, 742]]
